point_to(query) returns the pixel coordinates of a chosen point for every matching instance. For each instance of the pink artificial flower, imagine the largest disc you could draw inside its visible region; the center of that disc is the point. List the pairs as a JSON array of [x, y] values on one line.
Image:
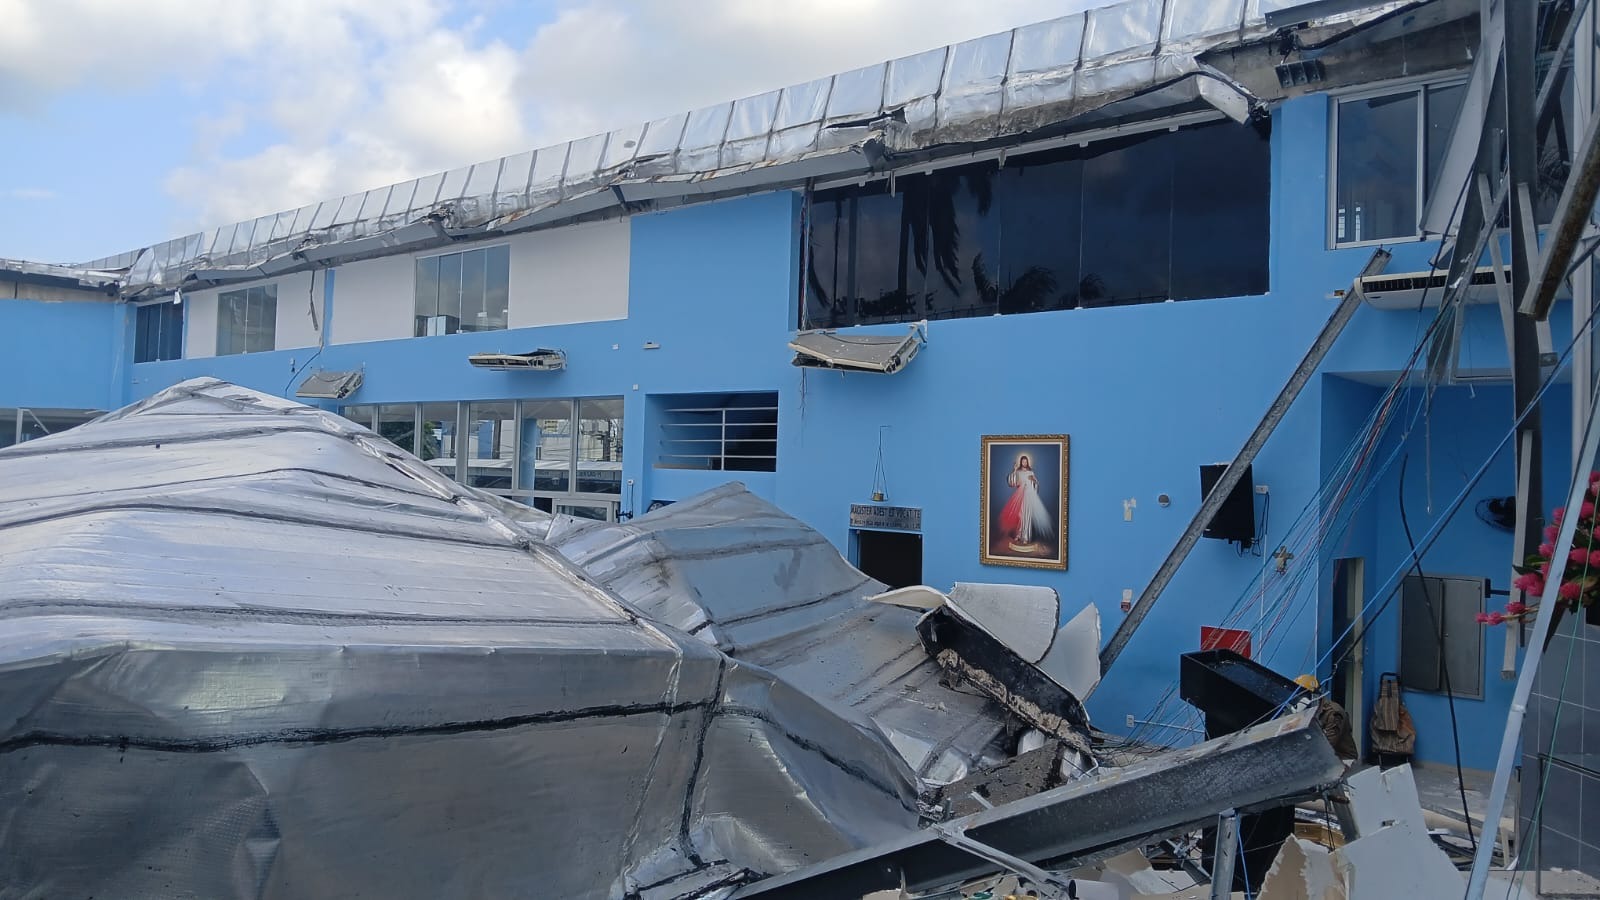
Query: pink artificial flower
[[1594, 557], [1497, 618], [1550, 532], [1483, 619], [1516, 609], [1579, 556], [1529, 584], [1594, 477], [1586, 510], [1547, 550], [1571, 590]]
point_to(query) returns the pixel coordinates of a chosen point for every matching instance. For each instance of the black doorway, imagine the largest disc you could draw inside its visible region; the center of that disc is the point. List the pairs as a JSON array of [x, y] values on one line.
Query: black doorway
[[892, 557]]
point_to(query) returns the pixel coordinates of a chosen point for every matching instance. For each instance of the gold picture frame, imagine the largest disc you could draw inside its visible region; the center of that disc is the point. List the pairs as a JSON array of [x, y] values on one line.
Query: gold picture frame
[[1022, 500]]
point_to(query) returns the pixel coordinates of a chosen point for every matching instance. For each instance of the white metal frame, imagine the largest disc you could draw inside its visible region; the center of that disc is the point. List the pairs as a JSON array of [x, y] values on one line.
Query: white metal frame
[[1420, 86]]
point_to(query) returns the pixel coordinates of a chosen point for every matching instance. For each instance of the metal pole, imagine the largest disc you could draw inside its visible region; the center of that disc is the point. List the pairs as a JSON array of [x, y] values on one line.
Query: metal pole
[[1235, 472], [1571, 220], [1227, 848], [1530, 667]]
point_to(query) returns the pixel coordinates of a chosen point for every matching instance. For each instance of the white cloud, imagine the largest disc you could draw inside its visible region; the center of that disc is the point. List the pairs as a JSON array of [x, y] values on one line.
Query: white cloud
[[354, 94], [29, 193]]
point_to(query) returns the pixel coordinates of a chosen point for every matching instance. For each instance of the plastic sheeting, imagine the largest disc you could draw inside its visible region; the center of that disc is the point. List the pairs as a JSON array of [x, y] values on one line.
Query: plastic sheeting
[[252, 650], [1013, 83], [739, 573]]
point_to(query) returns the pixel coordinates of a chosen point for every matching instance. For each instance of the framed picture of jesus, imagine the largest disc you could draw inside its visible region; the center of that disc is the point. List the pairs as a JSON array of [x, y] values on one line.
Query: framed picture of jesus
[[1023, 501]]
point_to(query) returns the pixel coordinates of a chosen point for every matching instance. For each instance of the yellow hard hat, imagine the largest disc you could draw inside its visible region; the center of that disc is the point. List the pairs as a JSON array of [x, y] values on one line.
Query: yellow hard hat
[[1309, 682]]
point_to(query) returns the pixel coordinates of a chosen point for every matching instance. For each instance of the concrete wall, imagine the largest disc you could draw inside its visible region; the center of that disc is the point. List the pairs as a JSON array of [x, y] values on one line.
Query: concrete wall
[[575, 274], [296, 326], [64, 355]]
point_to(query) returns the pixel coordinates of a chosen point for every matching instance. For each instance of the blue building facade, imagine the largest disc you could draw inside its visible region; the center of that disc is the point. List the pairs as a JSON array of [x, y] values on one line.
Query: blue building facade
[[680, 318]]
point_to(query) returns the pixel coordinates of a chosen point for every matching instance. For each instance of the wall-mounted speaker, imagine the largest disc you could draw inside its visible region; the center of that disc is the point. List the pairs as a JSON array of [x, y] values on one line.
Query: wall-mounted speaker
[[1236, 520]]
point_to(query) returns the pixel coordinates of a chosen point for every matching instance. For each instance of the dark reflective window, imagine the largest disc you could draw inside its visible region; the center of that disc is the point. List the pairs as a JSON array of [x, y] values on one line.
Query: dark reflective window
[[1127, 221], [158, 332], [1040, 199], [1166, 215], [1376, 193], [827, 285], [1220, 226]]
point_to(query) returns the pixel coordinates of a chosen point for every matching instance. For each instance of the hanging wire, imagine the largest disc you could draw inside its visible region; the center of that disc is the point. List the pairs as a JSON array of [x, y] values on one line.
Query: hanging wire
[[880, 477]]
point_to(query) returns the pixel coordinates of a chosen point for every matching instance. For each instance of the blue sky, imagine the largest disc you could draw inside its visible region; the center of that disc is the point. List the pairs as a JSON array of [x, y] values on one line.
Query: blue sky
[[128, 122]]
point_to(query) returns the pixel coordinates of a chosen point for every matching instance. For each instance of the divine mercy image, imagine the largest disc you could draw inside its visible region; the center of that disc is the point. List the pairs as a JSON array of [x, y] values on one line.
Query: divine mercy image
[[1024, 504]]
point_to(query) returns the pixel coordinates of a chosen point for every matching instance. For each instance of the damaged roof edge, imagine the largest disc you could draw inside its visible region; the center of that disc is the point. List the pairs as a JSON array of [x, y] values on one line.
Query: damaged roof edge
[[1018, 82]]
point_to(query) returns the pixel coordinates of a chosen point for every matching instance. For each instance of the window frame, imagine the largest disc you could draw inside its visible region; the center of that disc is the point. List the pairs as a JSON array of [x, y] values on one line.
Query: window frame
[[462, 251], [1420, 86], [183, 328], [517, 491], [266, 288]]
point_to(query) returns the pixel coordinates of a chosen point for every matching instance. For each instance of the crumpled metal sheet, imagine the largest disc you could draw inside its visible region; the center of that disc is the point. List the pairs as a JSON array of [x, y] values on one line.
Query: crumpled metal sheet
[[251, 650], [746, 577], [1012, 83]]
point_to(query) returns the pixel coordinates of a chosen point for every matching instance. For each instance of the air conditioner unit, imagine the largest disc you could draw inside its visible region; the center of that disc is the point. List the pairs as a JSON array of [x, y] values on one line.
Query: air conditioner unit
[[536, 360], [1408, 290]]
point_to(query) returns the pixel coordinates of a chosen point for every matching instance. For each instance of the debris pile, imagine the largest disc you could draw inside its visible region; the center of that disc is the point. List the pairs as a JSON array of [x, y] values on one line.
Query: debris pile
[[254, 650]]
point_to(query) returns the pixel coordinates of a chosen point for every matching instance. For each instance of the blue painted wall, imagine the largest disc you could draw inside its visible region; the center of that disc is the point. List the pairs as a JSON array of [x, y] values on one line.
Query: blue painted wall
[[1147, 393], [64, 355]]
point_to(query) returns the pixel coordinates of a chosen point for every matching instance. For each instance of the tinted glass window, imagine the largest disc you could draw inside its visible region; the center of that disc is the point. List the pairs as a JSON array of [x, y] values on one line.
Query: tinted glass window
[[827, 284], [1220, 226], [158, 332], [1040, 198], [882, 264], [1127, 222], [1376, 193], [1166, 215], [397, 422]]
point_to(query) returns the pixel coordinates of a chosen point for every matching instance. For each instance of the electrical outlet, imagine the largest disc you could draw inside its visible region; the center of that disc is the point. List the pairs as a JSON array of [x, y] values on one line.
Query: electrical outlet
[[1130, 720], [1262, 489]]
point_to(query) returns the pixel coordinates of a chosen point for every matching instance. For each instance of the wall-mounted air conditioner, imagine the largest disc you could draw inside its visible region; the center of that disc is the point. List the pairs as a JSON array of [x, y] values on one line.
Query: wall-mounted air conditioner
[[1409, 290]]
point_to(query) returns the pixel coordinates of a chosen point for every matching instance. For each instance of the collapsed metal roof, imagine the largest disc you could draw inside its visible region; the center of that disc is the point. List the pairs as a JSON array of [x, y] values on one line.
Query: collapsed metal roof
[[1135, 58], [253, 650]]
